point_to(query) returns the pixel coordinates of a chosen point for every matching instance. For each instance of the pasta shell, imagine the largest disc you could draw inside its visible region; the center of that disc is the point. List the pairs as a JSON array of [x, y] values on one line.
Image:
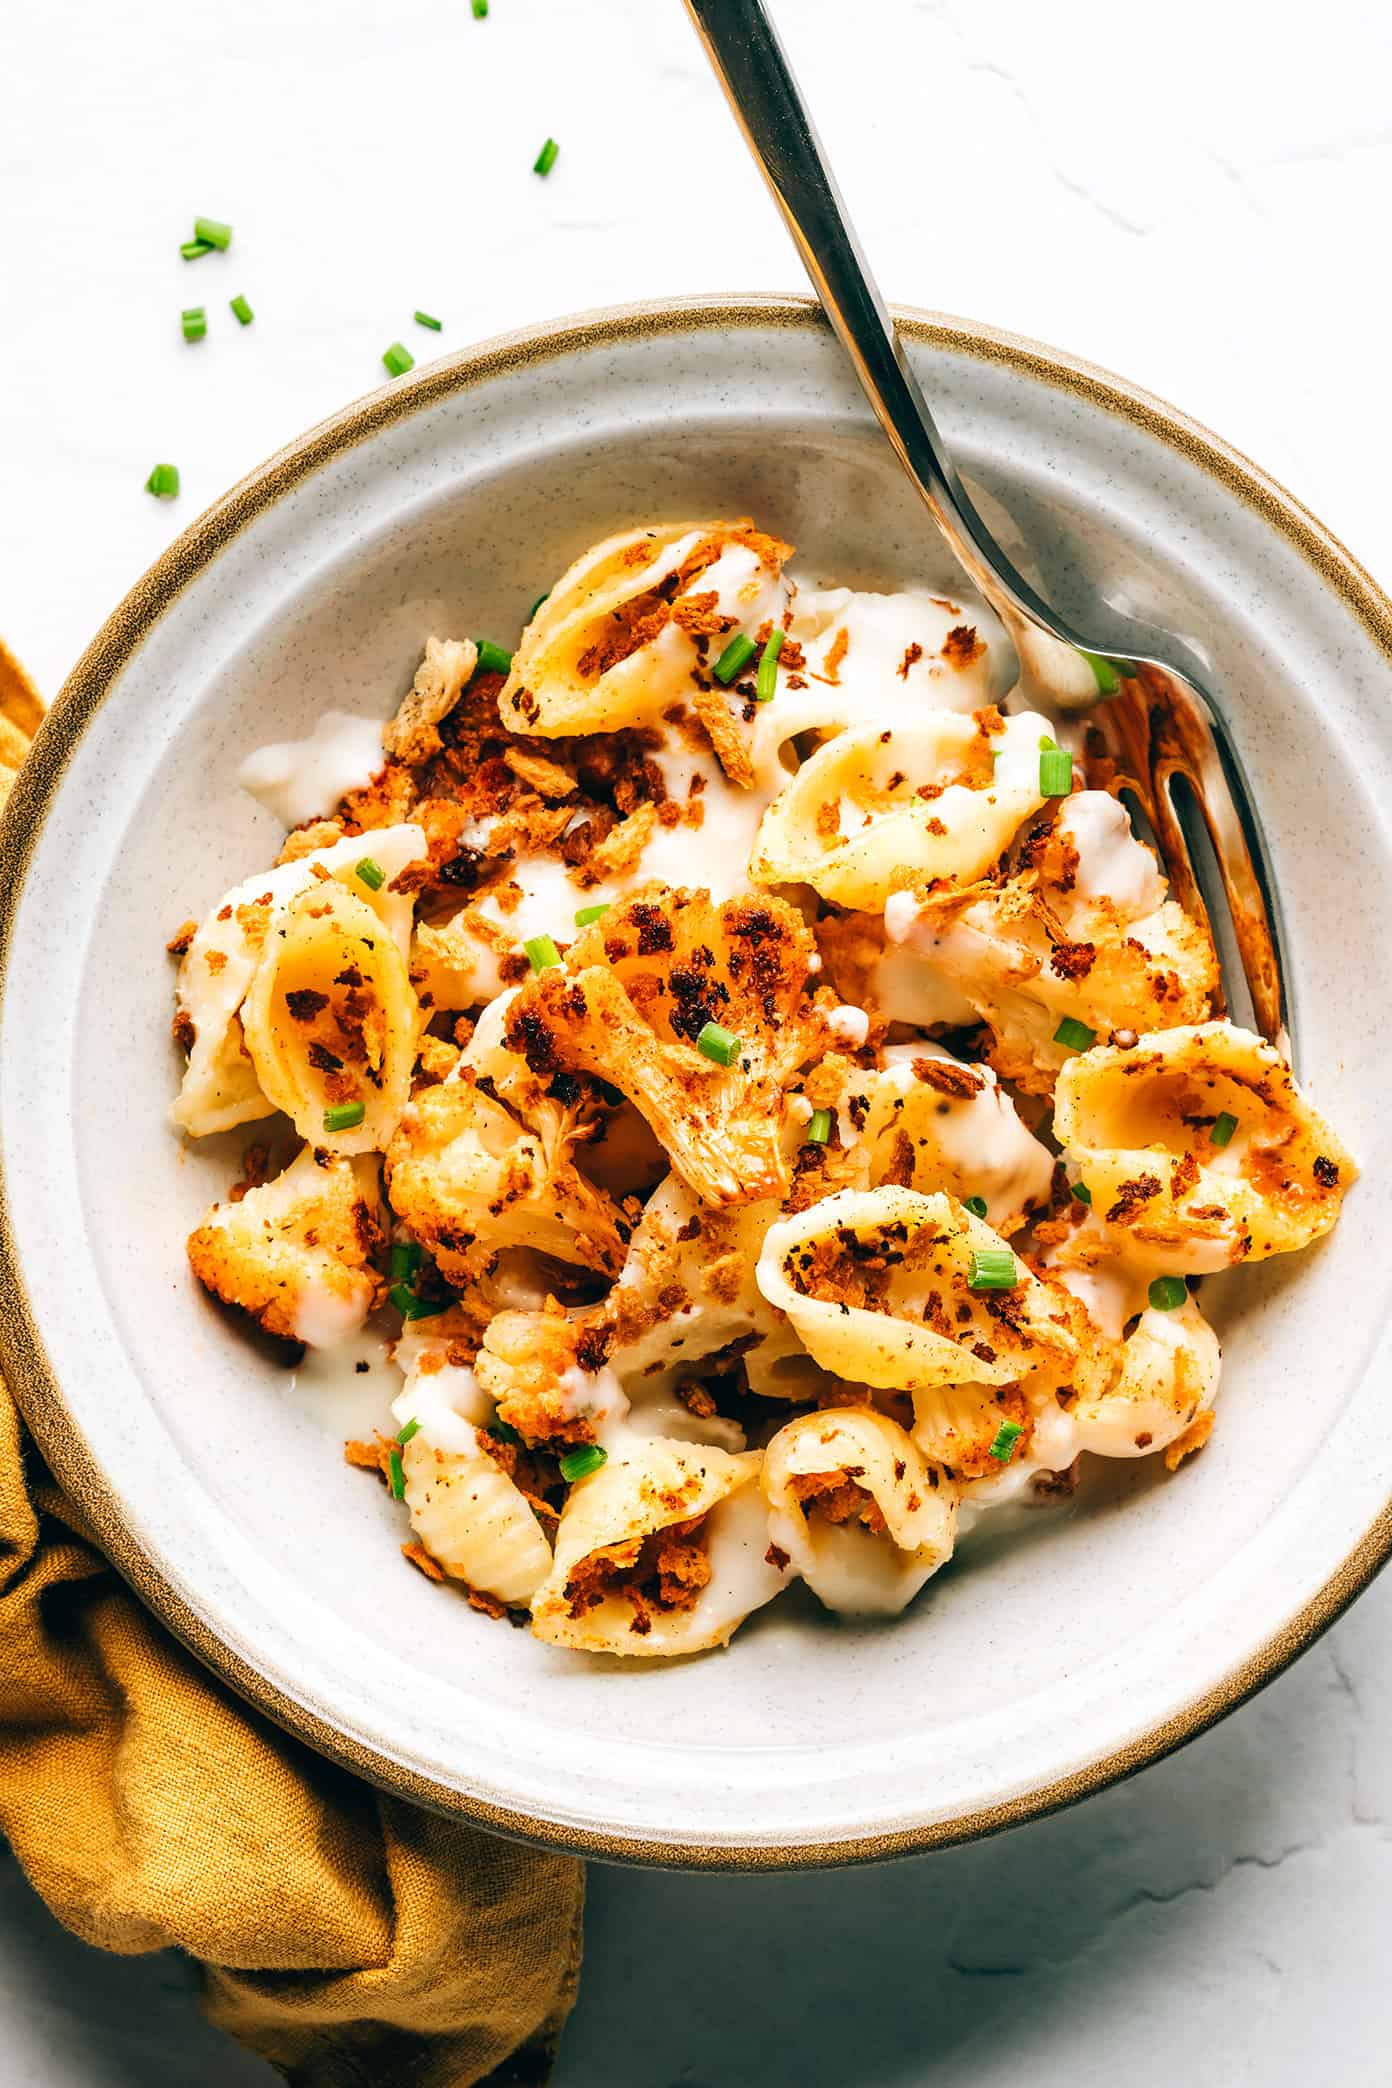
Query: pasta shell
[[220, 1086], [875, 1282], [857, 822], [621, 634], [860, 1513], [1169, 1375], [1138, 1128], [473, 1520], [606, 1587], [331, 1020]]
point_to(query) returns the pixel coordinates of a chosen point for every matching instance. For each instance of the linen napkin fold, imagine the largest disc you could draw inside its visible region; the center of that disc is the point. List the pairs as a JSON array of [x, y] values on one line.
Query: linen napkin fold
[[347, 1937]]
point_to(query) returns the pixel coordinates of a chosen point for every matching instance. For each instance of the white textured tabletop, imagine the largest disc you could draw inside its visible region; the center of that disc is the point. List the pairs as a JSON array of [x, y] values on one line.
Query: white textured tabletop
[[1192, 197]]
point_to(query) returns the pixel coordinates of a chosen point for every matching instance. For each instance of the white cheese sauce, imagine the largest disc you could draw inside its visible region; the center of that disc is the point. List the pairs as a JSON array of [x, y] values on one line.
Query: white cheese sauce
[[304, 779]]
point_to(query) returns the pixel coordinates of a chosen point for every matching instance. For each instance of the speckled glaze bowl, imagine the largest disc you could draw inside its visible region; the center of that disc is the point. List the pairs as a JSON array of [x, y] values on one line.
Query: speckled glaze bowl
[[1041, 1664]]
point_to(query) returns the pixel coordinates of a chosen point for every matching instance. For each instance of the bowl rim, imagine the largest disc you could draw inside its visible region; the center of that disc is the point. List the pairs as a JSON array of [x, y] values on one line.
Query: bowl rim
[[23, 1358]]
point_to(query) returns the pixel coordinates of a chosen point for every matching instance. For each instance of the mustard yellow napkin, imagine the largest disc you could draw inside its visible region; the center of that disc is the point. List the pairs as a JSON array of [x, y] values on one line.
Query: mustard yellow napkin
[[348, 1938]]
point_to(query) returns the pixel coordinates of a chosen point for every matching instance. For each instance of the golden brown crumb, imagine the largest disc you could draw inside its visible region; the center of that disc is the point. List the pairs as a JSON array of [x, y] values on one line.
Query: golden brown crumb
[[1193, 1438], [420, 1558], [179, 942]]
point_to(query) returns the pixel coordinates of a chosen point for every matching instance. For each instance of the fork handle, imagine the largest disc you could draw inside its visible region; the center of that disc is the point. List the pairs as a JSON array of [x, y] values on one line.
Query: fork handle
[[753, 69]]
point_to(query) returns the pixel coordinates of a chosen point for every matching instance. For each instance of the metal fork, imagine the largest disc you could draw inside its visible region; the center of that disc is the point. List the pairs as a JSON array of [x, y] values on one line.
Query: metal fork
[[1160, 725]]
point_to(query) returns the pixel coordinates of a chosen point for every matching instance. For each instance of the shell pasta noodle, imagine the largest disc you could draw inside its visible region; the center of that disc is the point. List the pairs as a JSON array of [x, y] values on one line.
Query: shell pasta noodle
[[740, 1067]]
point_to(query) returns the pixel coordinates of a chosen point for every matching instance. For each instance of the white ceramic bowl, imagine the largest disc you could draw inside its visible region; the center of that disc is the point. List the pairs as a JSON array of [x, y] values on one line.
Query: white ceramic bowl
[[1032, 1670]]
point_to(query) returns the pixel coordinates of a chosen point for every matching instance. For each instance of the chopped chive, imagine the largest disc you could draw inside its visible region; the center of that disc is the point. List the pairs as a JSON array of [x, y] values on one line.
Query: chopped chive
[[163, 481], [425, 319], [195, 322], [503, 1431], [1127, 669], [766, 681], [587, 914], [344, 1116], [1073, 1035], [398, 1476], [404, 1435], [398, 360], [1080, 1192], [480, 10], [491, 658], [214, 232], [1168, 1293], [736, 656], [719, 1044], [371, 873], [406, 1259], [546, 158], [1223, 1128], [993, 1268], [975, 1204], [541, 952], [194, 249], [1108, 680], [578, 1464], [1055, 772], [1007, 1436], [537, 604], [819, 1130], [241, 310], [413, 1308]]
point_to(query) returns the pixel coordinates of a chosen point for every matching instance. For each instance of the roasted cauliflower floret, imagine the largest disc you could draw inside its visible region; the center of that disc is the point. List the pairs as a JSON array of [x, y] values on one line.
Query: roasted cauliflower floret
[[1080, 932], [634, 998], [297, 1253], [441, 679], [470, 1178]]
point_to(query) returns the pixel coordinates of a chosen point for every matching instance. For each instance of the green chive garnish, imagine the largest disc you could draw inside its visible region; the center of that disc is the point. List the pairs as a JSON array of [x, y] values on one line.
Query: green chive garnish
[[404, 1435], [413, 1308], [195, 322], [735, 658], [1108, 680], [398, 360], [1074, 1036], [491, 658], [195, 249], [1168, 1293], [592, 913], [1223, 1128], [537, 604], [578, 1464], [503, 1431], [398, 1476], [993, 1268], [1080, 1191], [1007, 1436], [344, 1116], [371, 873], [975, 1204], [719, 1044], [425, 319], [163, 481], [546, 158], [241, 310], [480, 10], [819, 1130], [1055, 772], [766, 681], [216, 234], [541, 953], [406, 1259]]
